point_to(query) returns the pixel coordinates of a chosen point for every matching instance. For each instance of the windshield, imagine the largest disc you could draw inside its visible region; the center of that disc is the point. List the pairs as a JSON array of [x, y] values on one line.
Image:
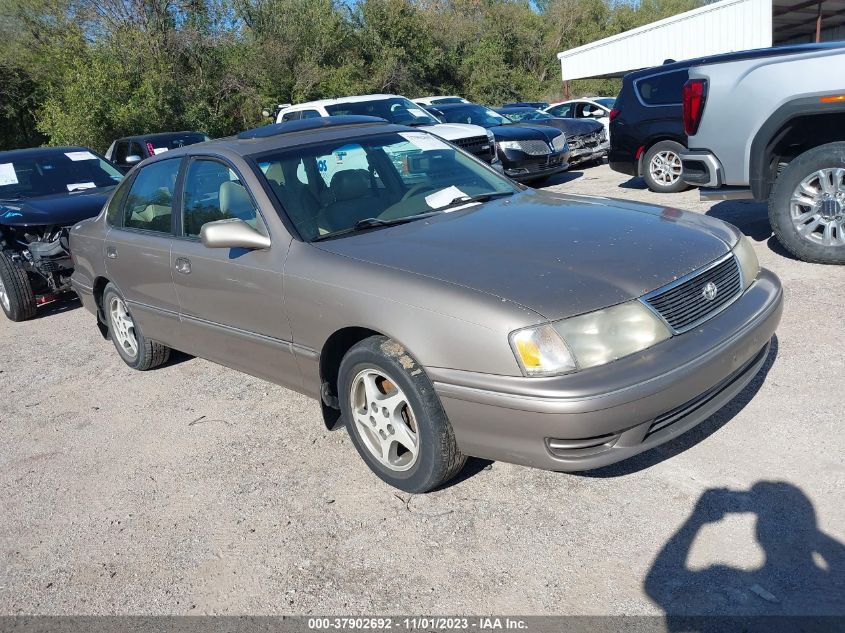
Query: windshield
[[328, 188], [47, 173], [607, 102], [448, 100], [475, 114], [396, 110], [159, 143], [526, 114]]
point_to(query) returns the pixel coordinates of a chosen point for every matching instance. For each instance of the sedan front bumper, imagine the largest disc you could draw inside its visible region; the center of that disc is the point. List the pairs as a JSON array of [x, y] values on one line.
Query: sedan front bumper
[[606, 414]]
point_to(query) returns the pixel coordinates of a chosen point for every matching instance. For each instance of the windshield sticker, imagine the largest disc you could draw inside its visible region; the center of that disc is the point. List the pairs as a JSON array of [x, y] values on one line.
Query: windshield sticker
[[74, 156], [7, 174], [444, 197], [159, 150], [420, 114], [424, 141], [76, 186]]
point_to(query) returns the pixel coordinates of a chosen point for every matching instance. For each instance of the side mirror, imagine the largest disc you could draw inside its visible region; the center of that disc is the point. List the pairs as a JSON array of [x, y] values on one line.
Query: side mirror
[[132, 159], [232, 233]]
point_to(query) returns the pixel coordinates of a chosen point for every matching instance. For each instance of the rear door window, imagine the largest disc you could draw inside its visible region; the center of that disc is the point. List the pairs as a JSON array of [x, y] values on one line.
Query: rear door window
[[662, 89], [291, 116], [149, 205]]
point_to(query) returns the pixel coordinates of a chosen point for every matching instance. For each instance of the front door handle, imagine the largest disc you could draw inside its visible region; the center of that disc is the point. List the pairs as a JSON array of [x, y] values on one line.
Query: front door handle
[[111, 252], [183, 265]]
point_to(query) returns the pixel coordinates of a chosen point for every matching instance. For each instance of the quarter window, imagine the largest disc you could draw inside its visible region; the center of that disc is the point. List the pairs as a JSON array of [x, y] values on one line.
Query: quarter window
[[149, 205], [664, 89], [214, 192]]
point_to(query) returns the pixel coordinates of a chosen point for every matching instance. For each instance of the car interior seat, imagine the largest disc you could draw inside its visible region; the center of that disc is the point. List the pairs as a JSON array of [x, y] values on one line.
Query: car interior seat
[[352, 198]]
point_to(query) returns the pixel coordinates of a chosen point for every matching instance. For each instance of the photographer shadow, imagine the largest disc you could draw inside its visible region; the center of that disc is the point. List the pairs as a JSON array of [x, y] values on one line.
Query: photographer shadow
[[803, 573]]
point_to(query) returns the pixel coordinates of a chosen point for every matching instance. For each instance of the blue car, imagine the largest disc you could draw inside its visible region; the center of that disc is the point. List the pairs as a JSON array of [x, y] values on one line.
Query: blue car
[[43, 193]]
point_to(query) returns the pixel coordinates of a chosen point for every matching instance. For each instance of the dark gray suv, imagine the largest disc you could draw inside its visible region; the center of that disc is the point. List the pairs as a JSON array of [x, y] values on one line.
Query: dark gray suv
[[434, 306]]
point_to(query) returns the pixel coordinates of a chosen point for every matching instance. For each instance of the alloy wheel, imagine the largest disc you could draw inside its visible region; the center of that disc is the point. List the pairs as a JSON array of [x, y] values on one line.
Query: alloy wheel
[[385, 420], [665, 168], [123, 327], [817, 207]]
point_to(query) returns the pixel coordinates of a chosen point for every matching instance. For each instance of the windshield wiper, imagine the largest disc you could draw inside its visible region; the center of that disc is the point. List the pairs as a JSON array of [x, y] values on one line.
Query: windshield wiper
[[374, 223], [482, 197]]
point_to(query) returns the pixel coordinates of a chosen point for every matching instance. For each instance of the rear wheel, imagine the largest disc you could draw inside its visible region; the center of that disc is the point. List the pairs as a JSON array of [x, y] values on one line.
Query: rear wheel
[[807, 205], [395, 418], [662, 167], [16, 296], [136, 350]]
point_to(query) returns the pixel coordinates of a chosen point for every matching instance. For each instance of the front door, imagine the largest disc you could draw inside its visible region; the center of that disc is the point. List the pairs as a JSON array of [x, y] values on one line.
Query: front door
[[231, 300], [137, 251]]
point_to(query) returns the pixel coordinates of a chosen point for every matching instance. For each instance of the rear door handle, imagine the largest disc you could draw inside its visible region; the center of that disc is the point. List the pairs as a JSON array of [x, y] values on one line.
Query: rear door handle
[[183, 265], [111, 252]]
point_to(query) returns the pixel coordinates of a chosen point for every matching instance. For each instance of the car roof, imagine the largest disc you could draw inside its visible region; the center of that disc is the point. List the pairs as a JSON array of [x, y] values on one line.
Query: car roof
[[340, 100], [515, 109], [281, 136], [157, 135], [41, 151], [735, 56], [454, 106]]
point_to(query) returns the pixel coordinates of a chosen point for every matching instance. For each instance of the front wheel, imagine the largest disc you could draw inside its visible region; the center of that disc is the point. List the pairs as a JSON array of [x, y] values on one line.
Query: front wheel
[[16, 296], [807, 205], [133, 347], [662, 167], [394, 417]]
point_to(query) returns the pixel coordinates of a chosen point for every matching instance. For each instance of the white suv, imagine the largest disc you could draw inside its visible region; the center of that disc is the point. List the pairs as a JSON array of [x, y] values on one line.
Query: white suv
[[397, 109]]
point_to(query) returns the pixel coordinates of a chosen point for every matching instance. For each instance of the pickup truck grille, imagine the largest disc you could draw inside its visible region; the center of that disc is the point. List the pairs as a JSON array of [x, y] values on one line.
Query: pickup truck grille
[[699, 296], [480, 146]]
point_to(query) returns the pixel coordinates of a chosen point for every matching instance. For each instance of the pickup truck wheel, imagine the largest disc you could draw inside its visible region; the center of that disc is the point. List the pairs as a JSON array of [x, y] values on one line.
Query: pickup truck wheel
[[807, 205], [394, 417], [132, 346], [16, 296], [662, 167]]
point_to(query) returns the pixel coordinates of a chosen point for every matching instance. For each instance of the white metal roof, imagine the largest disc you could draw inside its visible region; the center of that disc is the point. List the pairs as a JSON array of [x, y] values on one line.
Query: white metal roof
[[721, 27]]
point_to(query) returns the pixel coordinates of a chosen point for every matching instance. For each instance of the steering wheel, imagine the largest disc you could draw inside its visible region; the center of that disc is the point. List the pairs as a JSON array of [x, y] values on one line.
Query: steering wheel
[[414, 190]]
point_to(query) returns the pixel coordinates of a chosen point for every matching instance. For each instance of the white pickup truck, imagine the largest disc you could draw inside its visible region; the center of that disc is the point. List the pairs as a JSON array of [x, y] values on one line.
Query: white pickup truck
[[770, 125]]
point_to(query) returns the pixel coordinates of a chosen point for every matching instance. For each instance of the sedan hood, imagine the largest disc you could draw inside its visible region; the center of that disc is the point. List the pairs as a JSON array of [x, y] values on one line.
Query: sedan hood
[[455, 131], [524, 132], [63, 209], [556, 255]]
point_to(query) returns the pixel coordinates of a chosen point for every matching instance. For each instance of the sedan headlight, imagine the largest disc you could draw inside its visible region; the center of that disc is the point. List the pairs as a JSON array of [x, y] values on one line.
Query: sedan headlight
[[748, 263], [510, 145], [589, 340], [559, 142], [490, 137]]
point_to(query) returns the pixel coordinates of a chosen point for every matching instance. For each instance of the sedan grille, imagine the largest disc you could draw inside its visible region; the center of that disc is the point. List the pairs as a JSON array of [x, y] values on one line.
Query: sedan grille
[[480, 146], [534, 148], [698, 296]]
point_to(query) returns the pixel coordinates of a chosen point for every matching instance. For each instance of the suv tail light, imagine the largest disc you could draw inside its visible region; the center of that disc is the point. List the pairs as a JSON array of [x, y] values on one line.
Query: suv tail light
[[695, 94], [614, 113]]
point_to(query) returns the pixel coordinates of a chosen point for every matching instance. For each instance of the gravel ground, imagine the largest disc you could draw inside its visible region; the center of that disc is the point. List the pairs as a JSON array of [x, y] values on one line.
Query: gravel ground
[[197, 489]]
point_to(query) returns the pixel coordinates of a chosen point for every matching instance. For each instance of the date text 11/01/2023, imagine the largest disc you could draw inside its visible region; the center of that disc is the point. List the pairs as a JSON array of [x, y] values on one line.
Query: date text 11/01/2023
[[481, 623]]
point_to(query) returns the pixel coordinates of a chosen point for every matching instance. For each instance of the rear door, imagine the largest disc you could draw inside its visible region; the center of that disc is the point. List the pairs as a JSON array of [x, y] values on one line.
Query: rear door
[[137, 251], [231, 300]]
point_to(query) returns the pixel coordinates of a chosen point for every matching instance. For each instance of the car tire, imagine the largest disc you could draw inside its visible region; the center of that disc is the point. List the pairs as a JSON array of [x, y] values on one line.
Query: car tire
[[809, 231], [662, 167], [412, 445], [132, 346], [16, 296]]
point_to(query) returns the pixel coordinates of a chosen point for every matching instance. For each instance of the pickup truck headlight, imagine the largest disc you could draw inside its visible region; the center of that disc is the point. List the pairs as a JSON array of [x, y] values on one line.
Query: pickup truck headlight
[[588, 340], [747, 259]]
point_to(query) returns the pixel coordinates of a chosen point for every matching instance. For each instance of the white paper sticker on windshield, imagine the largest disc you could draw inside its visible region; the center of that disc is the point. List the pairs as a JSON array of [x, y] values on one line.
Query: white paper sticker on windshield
[[443, 197], [159, 150], [423, 141], [420, 114], [76, 186], [80, 156], [7, 174]]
